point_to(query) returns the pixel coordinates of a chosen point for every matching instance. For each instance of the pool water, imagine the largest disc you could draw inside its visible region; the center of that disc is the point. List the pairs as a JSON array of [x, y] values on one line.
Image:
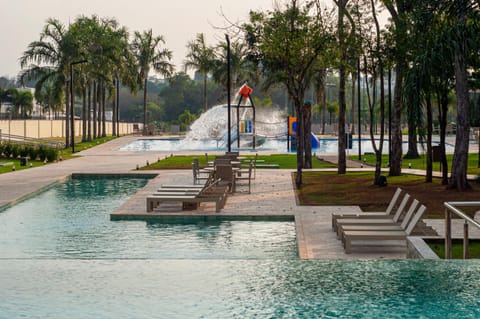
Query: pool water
[[275, 288], [61, 257], [72, 220], [326, 145]]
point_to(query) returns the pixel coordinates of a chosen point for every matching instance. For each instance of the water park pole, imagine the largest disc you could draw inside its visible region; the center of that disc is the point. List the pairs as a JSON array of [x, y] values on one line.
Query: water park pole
[[288, 133], [359, 113], [228, 94]]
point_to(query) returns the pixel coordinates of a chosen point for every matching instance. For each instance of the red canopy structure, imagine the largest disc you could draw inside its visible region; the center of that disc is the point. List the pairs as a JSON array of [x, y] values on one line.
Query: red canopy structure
[[245, 93]]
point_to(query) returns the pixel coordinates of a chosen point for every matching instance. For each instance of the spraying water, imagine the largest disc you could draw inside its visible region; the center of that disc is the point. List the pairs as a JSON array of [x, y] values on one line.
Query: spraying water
[[269, 122]]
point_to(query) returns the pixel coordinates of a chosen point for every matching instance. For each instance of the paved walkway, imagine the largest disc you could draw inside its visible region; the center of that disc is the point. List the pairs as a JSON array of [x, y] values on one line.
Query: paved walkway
[[272, 195]]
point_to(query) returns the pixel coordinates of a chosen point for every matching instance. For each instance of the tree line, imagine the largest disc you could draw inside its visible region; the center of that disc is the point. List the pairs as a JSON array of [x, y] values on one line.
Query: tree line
[[430, 49]]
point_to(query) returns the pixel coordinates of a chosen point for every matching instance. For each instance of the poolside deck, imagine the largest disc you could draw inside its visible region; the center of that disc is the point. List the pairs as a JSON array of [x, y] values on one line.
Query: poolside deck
[[272, 196]]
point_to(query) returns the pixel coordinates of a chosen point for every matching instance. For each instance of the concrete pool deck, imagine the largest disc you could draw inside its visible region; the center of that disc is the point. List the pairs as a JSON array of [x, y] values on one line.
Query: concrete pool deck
[[272, 196]]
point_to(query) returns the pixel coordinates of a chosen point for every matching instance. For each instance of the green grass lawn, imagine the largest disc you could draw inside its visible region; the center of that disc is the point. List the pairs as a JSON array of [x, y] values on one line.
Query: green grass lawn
[[457, 249], [284, 161], [421, 163], [9, 164]]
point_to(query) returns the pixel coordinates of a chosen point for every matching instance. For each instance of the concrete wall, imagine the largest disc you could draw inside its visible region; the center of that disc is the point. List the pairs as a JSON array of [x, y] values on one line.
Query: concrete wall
[[52, 128], [417, 248]]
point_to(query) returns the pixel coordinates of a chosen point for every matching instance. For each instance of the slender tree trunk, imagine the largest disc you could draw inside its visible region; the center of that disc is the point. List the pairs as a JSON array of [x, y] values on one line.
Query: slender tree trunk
[[118, 107], [342, 158], [412, 132], [99, 109], [145, 130], [84, 113], [94, 111], [114, 109], [205, 102], [67, 114], [320, 85], [458, 179], [352, 115], [442, 121], [89, 113], [307, 122], [300, 140], [429, 175], [104, 120]]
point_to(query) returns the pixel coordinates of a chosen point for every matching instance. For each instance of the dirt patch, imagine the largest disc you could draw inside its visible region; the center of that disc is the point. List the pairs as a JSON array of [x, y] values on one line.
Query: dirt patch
[[329, 188]]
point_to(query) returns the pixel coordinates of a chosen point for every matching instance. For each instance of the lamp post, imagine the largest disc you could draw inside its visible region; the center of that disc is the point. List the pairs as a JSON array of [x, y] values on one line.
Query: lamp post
[[228, 94], [72, 101]]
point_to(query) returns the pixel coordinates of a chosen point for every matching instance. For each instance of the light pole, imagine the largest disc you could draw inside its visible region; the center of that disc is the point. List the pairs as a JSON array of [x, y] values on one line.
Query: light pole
[[72, 101], [228, 94]]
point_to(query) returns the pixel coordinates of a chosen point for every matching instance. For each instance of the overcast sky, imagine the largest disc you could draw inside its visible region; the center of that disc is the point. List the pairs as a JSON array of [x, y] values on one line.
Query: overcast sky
[[21, 21]]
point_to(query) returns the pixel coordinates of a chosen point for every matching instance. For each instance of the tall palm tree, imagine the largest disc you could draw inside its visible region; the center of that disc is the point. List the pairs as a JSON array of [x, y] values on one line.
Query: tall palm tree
[[23, 103], [48, 60], [148, 54], [201, 58]]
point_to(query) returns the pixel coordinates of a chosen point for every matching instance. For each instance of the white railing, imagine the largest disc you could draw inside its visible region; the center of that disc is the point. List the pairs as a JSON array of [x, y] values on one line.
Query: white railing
[[451, 207]]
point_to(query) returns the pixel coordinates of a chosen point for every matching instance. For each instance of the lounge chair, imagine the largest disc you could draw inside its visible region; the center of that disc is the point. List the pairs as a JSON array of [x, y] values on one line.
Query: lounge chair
[[198, 173], [380, 237], [211, 193], [245, 175], [374, 221], [383, 226], [226, 174], [385, 214]]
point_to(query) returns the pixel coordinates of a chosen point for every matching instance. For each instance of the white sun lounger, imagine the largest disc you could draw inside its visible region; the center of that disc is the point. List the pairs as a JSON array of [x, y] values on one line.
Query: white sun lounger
[[381, 227], [385, 214], [381, 238], [375, 221], [211, 193]]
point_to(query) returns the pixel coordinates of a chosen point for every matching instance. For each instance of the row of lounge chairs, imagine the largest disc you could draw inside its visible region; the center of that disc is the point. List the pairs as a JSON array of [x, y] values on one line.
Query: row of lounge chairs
[[190, 195], [379, 228], [210, 184]]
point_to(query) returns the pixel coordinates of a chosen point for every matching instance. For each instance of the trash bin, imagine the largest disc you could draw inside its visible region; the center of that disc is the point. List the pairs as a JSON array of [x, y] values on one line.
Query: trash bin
[[23, 161]]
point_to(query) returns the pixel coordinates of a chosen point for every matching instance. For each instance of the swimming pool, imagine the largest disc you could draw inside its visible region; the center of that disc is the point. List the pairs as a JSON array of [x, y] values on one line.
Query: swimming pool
[[68, 260], [326, 145], [132, 288]]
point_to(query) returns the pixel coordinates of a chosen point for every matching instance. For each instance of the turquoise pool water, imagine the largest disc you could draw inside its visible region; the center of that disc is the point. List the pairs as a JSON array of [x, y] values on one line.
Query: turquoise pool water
[[280, 288], [61, 257]]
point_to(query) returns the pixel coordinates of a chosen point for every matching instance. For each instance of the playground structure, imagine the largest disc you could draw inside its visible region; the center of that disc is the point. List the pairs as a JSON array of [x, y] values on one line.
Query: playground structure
[[292, 133], [251, 128]]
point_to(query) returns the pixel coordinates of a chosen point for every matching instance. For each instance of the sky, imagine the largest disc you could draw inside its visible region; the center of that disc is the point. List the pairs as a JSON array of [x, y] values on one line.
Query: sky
[[178, 21]]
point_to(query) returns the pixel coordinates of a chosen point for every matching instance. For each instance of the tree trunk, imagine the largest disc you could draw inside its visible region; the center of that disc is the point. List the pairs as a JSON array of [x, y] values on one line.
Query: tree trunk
[[104, 118], [429, 173], [145, 107], [205, 102], [300, 141], [342, 159], [67, 114], [94, 110], [396, 160], [412, 132], [352, 115], [442, 121], [84, 114], [307, 115], [114, 108], [89, 113], [458, 179]]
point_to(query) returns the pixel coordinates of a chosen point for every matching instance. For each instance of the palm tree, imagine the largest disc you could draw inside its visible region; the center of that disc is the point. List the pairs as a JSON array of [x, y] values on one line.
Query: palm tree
[[145, 48], [23, 103], [47, 60], [201, 58]]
